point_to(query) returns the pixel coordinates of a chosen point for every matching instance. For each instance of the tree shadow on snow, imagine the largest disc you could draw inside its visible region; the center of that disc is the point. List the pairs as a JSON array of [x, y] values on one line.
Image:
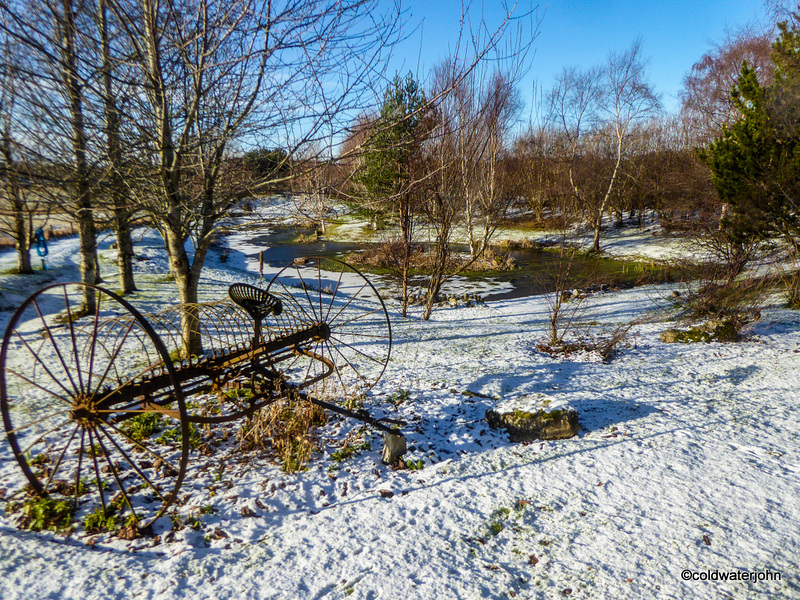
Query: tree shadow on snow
[[596, 411]]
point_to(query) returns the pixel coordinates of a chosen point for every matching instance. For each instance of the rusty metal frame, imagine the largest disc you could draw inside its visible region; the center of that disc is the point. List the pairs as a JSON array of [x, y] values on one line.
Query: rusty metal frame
[[239, 350]]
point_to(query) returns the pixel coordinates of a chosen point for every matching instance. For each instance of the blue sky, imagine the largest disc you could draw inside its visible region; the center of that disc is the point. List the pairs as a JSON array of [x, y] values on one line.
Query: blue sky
[[582, 33]]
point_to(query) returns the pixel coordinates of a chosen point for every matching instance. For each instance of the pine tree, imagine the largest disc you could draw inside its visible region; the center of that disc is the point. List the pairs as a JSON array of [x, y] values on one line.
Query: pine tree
[[755, 163], [389, 168]]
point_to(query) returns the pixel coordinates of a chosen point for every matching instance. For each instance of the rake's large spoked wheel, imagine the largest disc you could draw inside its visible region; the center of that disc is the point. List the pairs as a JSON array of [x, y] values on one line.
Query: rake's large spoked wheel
[[353, 351], [91, 405]]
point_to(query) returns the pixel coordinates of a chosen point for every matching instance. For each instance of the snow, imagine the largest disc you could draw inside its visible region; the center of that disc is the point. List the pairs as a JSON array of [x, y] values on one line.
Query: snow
[[532, 404], [687, 459]]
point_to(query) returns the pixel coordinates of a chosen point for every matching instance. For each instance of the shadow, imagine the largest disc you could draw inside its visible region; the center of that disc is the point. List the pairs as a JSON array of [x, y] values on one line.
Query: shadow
[[742, 374], [594, 414], [602, 413], [568, 451]]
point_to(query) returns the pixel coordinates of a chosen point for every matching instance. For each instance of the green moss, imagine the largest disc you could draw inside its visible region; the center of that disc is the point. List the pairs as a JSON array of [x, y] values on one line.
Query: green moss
[[723, 331], [524, 416], [551, 415]]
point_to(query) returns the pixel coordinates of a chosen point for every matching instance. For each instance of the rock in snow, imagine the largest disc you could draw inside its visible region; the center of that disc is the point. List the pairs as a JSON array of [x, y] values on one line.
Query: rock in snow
[[534, 418], [394, 446]]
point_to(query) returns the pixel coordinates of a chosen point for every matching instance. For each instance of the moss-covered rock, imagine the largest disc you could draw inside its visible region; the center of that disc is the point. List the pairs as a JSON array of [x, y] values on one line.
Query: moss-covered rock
[[716, 330], [533, 419]]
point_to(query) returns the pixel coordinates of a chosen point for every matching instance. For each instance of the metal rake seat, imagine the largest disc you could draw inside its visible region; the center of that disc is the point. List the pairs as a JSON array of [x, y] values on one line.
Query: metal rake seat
[[257, 302]]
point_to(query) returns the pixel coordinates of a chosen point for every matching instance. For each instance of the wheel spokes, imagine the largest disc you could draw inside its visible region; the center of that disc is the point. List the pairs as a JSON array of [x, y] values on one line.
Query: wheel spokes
[[49, 336], [357, 350], [65, 389]]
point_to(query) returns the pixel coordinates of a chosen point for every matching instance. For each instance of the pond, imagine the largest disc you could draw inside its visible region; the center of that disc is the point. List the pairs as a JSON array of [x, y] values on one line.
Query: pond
[[538, 272]]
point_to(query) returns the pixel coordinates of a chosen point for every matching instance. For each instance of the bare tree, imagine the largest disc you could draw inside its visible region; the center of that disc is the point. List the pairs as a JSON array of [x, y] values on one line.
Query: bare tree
[[111, 90], [52, 118], [216, 74], [706, 103], [464, 159], [490, 193], [602, 107], [16, 213], [535, 164], [315, 182], [572, 111], [73, 90], [626, 100]]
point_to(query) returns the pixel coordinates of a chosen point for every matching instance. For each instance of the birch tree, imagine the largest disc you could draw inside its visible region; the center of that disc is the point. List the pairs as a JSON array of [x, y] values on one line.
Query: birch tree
[[216, 75], [51, 86], [598, 111], [16, 213]]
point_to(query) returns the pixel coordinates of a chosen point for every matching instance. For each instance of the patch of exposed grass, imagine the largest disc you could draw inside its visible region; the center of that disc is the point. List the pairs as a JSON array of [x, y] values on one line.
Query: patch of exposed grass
[[142, 426], [40, 513], [350, 450], [102, 520]]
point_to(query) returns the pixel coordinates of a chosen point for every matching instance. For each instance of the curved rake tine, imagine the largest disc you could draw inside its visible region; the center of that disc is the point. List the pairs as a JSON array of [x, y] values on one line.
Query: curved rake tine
[[291, 364], [130, 381], [290, 297]]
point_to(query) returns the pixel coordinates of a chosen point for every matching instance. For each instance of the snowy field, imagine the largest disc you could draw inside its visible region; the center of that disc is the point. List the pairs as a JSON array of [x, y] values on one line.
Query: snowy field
[[687, 467]]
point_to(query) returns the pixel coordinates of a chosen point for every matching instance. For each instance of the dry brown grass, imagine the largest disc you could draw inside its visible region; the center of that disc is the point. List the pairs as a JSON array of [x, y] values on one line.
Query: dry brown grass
[[287, 427]]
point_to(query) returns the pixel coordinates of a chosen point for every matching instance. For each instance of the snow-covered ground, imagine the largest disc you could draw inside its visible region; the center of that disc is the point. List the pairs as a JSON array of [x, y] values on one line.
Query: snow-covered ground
[[687, 466]]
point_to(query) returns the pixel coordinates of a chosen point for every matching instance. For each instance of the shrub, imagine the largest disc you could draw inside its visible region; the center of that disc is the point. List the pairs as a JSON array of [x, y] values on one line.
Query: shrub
[[791, 286], [142, 426]]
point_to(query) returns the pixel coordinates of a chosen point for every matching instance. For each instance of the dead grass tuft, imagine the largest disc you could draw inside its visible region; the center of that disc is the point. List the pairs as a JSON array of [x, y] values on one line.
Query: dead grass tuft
[[287, 427]]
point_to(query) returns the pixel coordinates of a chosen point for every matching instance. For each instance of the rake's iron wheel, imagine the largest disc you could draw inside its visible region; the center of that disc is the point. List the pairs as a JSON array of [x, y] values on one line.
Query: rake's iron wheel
[[358, 341], [91, 405]]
